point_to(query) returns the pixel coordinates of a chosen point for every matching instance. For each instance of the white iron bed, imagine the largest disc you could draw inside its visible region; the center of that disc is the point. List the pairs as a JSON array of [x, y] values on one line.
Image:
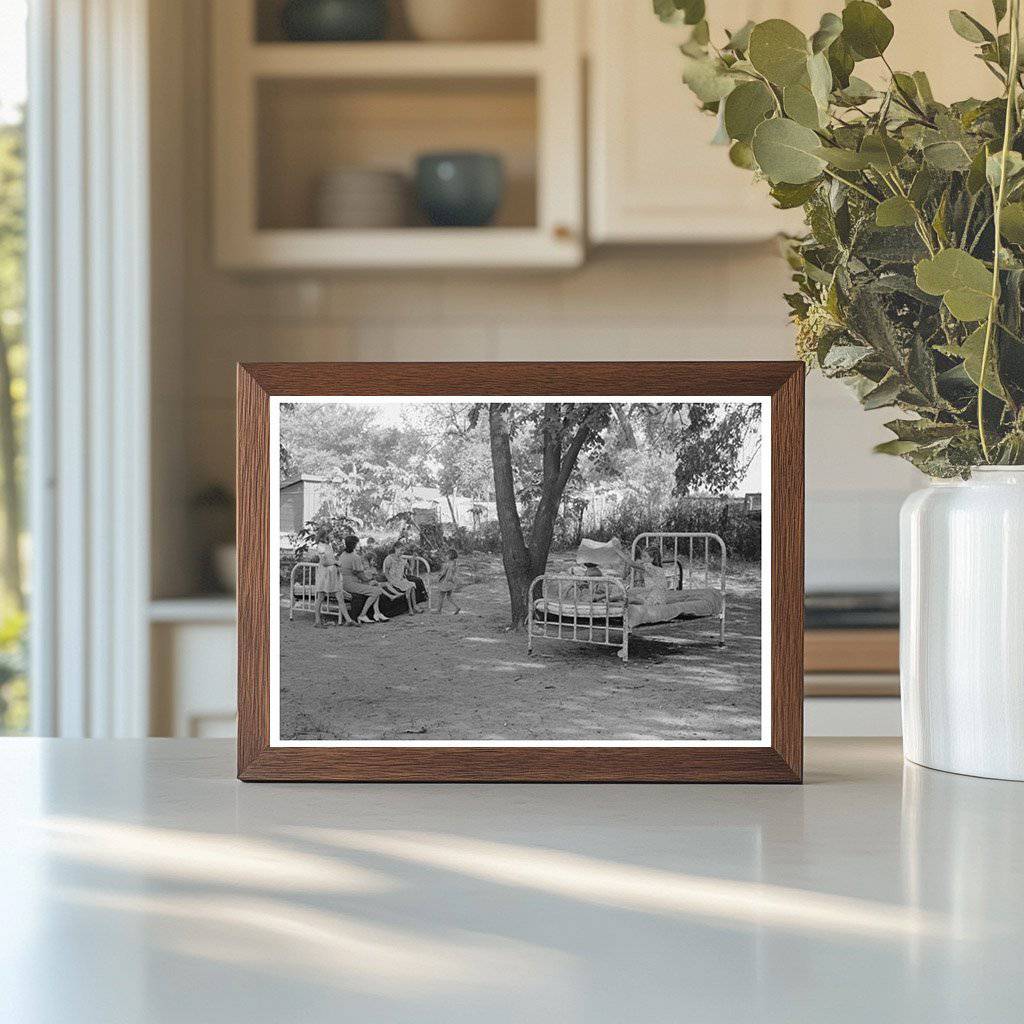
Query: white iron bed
[[302, 588], [603, 610]]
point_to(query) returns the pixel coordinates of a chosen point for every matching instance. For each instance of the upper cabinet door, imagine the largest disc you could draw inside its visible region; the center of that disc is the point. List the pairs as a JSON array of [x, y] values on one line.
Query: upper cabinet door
[[654, 175]]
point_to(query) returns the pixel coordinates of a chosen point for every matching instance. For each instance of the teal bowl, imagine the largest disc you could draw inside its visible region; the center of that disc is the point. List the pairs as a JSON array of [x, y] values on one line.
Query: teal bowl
[[334, 21], [460, 189]]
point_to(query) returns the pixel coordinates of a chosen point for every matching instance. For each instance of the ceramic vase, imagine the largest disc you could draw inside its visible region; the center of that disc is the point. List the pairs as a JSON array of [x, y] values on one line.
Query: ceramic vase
[[962, 624]]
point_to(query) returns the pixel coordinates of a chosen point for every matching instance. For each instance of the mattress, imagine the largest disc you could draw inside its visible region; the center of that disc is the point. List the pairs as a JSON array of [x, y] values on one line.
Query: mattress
[[691, 603]]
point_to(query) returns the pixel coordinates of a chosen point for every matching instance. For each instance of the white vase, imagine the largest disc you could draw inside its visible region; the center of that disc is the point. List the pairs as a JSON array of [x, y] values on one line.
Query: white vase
[[962, 624]]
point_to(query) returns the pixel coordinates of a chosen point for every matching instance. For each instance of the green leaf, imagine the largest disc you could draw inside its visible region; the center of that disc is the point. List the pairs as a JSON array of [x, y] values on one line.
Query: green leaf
[[1012, 223], [895, 212], [971, 351], [993, 167], [883, 152], [857, 91], [788, 197], [707, 78], [801, 106], [787, 151], [829, 30], [721, 136], [885, 394], [690, 12], [819, 74], [841, 63], [741, 155], [665, 10], [889, 245], [923, 431], [939, 220], [701, 34], [866, 29], [922, 185], [976, 173], [969, 28], [905, 84], [924, 88], [947, 156], [745, 108], [895, 447], [739, 41], [963, 281], [693, 11], [844, 159], [779, 51]]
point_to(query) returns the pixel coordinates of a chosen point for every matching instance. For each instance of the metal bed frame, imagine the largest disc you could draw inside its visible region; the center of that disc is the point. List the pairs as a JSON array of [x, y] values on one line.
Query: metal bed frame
[[304, 573], [589, 616]]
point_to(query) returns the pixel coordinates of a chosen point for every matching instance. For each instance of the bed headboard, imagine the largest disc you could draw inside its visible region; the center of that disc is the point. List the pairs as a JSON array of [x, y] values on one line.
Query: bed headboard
[[700, 556]]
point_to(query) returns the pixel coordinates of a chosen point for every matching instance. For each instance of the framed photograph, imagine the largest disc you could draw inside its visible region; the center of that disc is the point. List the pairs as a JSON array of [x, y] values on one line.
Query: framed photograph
[[520, 571]]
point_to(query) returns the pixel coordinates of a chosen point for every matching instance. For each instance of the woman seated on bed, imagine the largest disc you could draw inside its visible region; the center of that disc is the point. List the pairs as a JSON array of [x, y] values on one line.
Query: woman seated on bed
[[396, 580], [359, 582], [649, 583]]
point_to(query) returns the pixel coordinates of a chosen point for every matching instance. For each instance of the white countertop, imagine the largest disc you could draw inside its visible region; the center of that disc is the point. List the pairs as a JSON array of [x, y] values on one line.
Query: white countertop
[[140, 882]]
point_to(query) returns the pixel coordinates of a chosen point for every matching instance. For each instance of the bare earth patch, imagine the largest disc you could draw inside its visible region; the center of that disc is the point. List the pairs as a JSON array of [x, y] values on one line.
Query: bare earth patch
[[465, 677]]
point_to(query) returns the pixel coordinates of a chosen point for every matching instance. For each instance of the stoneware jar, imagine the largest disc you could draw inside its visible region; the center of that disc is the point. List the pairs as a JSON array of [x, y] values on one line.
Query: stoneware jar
[[962, 624], [318, 21], [460, 189]]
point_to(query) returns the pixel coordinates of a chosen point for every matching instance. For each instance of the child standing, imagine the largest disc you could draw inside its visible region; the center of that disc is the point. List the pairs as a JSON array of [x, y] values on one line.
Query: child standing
[[328, 580], [446, 582]]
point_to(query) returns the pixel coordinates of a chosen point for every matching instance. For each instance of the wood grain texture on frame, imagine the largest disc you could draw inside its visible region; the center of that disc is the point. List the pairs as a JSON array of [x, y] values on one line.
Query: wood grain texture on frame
[[779, 762]]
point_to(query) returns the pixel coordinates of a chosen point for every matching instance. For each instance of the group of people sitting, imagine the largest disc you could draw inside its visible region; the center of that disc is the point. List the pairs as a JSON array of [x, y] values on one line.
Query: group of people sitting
[[365, 593]]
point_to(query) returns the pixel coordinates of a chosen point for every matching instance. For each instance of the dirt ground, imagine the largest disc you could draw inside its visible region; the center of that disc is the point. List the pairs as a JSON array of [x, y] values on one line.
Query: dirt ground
[[462, 677]]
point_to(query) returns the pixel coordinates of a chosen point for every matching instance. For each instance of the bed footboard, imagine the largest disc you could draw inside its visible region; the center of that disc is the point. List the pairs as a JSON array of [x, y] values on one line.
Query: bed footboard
[[302, 592], [700, 557], [582, 609]]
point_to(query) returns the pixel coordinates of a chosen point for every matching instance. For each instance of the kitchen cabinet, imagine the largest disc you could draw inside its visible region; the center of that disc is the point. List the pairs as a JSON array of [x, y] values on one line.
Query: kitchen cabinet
[[653, 175], [286, 114]]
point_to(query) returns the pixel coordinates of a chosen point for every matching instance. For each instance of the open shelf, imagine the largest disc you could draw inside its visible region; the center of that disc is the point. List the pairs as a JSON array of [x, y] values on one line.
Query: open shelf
[[309, 127], [286, 114], [393, 60], [520, 24]]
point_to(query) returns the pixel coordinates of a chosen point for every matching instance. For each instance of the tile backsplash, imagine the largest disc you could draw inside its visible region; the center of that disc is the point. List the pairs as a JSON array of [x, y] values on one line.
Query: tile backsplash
[[709, 303]]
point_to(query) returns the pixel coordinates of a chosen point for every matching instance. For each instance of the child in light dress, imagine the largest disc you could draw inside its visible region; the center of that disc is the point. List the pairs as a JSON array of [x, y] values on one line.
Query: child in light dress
[[328, 580], [447, 581]]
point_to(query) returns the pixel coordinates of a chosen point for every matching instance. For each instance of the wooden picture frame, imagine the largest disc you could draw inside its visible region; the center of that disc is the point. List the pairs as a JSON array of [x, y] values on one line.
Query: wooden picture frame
[[780, 386]]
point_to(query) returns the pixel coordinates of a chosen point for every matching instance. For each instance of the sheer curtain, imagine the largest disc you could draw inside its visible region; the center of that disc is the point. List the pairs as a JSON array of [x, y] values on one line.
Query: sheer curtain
[[88, 325]]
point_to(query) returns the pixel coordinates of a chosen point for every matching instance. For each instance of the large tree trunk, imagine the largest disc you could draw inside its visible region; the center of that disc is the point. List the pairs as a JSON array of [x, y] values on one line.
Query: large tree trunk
[[524, 564], [514, 554], [11, 490]]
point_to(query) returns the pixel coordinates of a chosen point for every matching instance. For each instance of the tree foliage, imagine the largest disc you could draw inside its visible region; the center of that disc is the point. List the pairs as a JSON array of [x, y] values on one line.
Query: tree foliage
[[902, 290]]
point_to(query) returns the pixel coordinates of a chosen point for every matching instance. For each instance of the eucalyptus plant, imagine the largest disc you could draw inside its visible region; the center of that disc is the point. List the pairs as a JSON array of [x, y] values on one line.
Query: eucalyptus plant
[[910, 278]]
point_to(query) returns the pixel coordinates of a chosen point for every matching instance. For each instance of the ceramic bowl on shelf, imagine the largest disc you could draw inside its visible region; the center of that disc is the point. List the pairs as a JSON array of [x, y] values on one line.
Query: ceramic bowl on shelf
[[334, 21], [460, 189], [362, 197], [469, 20]]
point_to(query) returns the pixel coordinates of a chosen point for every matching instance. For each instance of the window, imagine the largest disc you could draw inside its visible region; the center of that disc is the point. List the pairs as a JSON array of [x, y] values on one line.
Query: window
[[14, 693]]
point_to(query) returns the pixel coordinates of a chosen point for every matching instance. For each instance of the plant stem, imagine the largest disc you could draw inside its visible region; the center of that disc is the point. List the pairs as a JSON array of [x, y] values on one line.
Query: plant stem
[[1011, 109], [853, 185]]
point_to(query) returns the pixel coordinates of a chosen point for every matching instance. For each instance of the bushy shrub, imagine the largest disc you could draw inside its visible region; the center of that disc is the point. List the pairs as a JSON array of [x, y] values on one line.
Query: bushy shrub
[[741, 530]]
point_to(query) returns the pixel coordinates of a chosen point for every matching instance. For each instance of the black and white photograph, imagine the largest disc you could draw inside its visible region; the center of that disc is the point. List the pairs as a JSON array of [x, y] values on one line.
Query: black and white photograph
[[520, 572]]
